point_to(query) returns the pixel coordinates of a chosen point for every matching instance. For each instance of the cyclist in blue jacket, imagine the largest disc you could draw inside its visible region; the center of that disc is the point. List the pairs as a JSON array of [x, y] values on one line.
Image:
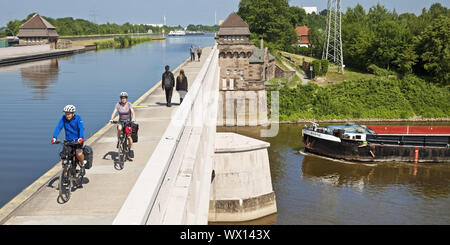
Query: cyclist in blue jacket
[[74, 129]]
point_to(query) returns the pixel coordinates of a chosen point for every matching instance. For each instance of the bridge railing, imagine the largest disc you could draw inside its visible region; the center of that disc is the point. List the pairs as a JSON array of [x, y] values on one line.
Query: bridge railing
[[174, 186]]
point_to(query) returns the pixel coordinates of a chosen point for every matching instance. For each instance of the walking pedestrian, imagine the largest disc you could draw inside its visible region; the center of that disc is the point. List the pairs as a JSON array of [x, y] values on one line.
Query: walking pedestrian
[[199, 53], [182, 85], [168, 82], [192, 53]]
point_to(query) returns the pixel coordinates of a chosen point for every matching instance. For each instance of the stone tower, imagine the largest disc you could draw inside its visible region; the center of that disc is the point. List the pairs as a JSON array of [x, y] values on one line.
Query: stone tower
[[243, 70]]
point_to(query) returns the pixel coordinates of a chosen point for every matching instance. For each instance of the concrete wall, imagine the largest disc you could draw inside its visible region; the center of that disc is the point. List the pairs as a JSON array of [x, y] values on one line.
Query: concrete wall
[[242, 186], [280, 73], [242, 108], [13, 51]]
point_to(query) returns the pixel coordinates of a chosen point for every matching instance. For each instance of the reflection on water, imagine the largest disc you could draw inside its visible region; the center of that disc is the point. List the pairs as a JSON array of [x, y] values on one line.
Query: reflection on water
[[39, 76], [430, 180], [313, 190]]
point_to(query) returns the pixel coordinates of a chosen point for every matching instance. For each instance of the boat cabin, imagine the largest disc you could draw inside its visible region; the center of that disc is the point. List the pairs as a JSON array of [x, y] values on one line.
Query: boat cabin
[[349, 131]]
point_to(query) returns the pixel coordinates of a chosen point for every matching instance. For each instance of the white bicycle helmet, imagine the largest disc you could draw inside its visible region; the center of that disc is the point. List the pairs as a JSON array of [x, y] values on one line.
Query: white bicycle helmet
[[123, 94], [69, 108]]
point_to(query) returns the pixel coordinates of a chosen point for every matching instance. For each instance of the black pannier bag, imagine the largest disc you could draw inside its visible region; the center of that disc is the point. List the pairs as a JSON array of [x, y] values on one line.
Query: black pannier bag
[[134, 133], [65, 153], [88, 156]]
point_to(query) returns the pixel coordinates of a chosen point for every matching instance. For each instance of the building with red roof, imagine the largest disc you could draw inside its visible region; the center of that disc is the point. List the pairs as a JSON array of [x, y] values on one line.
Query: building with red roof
[[303, 36]]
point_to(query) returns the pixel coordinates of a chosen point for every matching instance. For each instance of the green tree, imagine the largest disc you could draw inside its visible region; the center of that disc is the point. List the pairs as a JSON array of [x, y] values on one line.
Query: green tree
[[406, 59], [268, 19], [389, 41], [434, 48], [317, 25], [13, 27], [297, 16]]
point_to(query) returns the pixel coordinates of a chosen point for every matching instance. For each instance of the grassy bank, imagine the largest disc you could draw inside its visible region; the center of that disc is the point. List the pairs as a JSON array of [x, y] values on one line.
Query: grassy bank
[[124, 42], [333, 76], [375, 98], [89, 42]]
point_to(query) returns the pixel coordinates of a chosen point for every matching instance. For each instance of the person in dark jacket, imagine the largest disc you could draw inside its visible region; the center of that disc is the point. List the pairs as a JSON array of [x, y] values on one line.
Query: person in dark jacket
[[182, 85], [199, 53], [192, 51], [168, 82]]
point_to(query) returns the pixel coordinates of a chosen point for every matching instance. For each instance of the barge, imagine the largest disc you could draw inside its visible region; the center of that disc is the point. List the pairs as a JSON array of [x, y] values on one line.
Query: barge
[[354, 142]]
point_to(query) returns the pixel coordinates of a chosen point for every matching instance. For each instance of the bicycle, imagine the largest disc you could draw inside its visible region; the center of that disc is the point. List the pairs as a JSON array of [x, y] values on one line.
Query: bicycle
[[70, 176], [123, 149]]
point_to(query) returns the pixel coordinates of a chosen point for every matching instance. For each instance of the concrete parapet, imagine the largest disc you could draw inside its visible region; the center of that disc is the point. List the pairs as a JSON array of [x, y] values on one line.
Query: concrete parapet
[[242, 108], [242, 187]]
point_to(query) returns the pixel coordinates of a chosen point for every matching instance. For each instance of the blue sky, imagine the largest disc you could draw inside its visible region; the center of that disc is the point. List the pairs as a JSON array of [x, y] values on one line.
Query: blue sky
[[182, 12]]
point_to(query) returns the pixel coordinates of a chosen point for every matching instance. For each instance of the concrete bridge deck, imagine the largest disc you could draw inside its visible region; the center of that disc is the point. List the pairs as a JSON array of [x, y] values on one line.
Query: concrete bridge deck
[[105, 188]]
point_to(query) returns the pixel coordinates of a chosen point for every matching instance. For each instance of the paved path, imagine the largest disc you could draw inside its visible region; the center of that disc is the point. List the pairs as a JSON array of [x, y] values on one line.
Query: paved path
[[106, 188], [301, 76], [6, 59]]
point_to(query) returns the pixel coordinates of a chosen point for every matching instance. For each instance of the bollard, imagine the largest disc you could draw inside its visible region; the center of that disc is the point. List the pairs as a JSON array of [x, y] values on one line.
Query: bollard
[[416, 155]]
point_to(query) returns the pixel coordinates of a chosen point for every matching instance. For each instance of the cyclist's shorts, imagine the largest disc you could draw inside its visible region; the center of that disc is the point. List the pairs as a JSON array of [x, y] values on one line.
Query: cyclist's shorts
[[67, 150], [74, 147]]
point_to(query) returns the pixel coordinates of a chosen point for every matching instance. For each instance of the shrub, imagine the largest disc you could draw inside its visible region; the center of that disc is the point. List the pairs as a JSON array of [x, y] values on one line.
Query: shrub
[[324, 64], [368, 98], [377, 71], [317, 67], [301, 50]]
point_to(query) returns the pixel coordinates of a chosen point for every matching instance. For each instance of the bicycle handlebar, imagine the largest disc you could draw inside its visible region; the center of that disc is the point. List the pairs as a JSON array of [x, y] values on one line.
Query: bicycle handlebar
[[75, 142], [117, 122]]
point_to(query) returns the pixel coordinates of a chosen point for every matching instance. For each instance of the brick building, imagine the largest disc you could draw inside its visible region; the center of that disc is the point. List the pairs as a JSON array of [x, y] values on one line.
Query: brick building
[[243, 65], [243, 70], [303, 36]]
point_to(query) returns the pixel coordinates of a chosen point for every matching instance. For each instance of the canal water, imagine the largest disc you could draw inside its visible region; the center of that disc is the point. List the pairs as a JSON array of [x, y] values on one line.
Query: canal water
[[32, 96], [313, 190]]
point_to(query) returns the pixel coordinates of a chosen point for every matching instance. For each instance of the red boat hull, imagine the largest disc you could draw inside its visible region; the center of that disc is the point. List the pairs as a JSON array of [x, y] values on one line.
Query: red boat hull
[[411, 130]]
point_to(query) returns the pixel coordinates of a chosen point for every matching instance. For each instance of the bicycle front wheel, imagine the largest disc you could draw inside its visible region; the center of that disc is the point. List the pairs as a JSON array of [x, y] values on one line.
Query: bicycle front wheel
[[65, 185]]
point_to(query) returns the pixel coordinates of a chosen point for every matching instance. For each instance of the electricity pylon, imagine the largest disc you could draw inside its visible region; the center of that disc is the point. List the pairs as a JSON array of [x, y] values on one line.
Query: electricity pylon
[[332, 49]]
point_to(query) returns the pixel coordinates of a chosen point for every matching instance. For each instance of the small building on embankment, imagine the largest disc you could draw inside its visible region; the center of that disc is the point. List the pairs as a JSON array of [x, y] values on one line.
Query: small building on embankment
[[37, 31]]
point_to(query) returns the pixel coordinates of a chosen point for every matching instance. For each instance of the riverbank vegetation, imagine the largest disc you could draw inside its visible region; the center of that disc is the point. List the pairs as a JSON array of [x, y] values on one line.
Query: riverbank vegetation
[[403, 43], [202, 28], [380, 98], [122, 42]]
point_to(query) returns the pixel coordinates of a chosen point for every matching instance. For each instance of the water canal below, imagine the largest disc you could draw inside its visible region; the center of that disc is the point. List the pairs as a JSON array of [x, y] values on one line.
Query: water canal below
[[33, 94], [313, 190]]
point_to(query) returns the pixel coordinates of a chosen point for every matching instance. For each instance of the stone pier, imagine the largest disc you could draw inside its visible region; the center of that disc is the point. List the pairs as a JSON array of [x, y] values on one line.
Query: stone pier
[[242, 186]]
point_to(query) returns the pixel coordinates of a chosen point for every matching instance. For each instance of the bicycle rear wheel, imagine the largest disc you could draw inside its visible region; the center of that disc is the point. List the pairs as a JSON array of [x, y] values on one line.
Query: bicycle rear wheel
[[65, 185]]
